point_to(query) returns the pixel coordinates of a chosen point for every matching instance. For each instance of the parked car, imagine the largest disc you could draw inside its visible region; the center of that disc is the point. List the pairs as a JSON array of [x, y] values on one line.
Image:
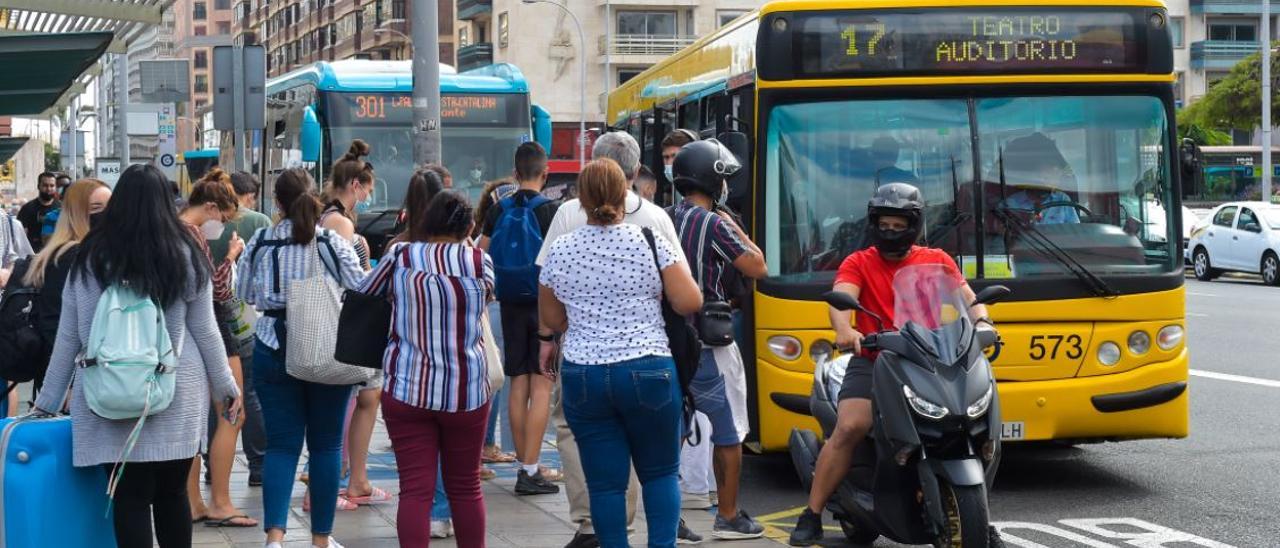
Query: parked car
[[1239, 237]]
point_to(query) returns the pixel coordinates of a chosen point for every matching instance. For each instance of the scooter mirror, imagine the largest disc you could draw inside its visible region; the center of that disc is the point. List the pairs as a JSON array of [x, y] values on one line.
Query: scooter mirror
[[991, 295], [840, 300]]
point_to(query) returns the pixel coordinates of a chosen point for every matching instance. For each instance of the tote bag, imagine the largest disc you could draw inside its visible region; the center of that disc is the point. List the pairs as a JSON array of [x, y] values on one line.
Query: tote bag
[[315, 303]]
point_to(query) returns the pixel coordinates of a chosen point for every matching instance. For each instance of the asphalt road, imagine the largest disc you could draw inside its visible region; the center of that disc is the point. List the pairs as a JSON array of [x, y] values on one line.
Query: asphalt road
[[1219, 487]]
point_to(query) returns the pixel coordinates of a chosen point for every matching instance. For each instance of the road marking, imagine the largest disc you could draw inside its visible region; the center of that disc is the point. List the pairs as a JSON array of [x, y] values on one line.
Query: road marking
[[1197, 315], [1199, 294], [1236, 378]]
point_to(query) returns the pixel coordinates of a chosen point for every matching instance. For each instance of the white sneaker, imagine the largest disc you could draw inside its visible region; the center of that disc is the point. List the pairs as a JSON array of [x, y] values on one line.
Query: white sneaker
[[274, 545], [441, 528], [694, 501], [333, 543]]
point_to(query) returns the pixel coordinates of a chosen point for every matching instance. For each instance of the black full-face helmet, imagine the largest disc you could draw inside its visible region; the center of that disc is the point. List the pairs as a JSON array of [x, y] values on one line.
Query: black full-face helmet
[[899, 200], [703, 166]]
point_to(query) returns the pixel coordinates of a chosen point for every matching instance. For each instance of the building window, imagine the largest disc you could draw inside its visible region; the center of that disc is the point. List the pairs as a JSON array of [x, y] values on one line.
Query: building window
[[503, 30], [464, 36], [199, 12], [199, 31], [201, 59], [1179, 90], [724, 17], [647, 23], [1234, 32], [202, 83], [625, 74], [224, 27], [221, 4]]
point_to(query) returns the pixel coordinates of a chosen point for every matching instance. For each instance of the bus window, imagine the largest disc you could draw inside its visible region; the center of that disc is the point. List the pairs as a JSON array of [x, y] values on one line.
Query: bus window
[[825, 159], [689, 116]]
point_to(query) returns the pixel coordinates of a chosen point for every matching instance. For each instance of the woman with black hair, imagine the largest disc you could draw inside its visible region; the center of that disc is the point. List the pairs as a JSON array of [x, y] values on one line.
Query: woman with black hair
[[436, 396], [423, 186], [171, 270], [293, 409]]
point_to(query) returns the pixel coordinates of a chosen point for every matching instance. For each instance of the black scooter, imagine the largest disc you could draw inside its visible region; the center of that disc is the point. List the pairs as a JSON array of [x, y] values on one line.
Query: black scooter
[[922, 474]]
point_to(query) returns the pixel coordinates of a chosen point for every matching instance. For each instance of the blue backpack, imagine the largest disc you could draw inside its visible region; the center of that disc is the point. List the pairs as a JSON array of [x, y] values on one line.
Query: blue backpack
[[517, 239]]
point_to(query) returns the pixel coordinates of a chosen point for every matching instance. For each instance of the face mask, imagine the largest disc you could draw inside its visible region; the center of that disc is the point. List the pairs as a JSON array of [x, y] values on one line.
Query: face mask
[[212, 229], [670, 173], [476, 174], [894, 242], [724, 195], [95, 219], [364, 205], [46, 196]]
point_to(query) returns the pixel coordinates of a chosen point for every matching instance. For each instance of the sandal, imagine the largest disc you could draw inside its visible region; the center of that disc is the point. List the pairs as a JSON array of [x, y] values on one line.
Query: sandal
[[343, 504], [550, 474], [494, 455], [230, 521], [377, 496], [486, 474]]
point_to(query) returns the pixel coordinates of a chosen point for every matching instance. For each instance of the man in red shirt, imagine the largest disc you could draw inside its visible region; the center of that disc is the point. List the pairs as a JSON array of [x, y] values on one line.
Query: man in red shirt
[[895, 220]]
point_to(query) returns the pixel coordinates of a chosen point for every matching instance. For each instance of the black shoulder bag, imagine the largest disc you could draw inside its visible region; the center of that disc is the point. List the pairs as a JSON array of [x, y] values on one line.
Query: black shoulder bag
[[686, 350], [364, 326]]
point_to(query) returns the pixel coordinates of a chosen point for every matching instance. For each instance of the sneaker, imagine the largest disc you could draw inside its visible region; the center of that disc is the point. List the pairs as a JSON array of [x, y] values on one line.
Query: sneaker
[[333, 543], [534, 485], [685, 535], [583, 540], [993, 537], [694, 501], [441, 528], [808, 529], [741, 527]]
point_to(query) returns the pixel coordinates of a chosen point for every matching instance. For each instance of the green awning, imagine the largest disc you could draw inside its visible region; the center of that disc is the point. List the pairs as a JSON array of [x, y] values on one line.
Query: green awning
[[9, 146], [39, 68]]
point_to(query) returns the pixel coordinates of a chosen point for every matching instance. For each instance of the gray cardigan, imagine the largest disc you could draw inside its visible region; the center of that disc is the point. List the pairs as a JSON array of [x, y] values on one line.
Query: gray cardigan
[[178, 432]]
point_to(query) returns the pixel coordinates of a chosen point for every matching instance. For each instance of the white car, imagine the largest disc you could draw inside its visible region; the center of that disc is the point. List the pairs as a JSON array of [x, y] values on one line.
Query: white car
[[1238, 237]]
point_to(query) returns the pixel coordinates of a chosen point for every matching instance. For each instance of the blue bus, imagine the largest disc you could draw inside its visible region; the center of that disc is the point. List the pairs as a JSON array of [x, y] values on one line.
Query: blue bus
[[314, 112]]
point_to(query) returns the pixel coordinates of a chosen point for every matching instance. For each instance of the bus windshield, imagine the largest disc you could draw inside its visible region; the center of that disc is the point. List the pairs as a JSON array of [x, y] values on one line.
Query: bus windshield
[[1038, 187], [479, 138]]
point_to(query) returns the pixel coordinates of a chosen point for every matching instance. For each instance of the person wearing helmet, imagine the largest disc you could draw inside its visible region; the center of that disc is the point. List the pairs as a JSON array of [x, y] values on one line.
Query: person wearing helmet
[[1038, 171], [713, 242], [895, 222]]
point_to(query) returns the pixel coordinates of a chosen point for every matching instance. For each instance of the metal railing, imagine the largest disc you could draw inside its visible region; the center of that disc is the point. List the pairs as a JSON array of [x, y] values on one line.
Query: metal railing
[[1220, 54], [470, 9], [1231, 6], [475, 55], [644, 44]]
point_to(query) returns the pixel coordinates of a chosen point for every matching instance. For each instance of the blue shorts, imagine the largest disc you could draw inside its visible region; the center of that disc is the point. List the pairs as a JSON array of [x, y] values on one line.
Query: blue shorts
[[719, 392]]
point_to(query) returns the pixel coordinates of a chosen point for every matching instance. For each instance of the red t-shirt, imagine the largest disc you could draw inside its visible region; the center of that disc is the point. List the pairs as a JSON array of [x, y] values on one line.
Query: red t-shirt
[[874, 277]]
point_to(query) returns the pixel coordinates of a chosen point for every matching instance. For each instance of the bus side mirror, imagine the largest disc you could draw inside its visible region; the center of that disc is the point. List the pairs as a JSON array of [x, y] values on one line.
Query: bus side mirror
[[310, 140], [740, 145], [991, 295]]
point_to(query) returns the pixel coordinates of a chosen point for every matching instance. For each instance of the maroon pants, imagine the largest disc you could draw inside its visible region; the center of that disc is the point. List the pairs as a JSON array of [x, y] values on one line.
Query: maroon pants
[[421, 440]]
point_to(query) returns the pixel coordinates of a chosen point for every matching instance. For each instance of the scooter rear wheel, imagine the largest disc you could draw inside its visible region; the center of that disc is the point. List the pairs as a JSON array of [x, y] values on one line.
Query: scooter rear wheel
[[965, 508], [858, 535], [804, 447]]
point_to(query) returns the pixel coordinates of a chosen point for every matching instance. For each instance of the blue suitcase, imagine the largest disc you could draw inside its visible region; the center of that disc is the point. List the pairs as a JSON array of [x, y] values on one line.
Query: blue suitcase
[[47, 501]]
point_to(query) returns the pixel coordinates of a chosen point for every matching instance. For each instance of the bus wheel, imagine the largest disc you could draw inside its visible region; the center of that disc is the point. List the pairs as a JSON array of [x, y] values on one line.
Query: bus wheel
[[1200, 262]]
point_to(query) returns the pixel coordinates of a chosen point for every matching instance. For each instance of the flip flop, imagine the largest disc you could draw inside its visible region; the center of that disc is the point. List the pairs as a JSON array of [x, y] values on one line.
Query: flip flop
[[486, 474], [343, 504], [496, 457], [378, 496], [550, 474], [230, 521], [200, 519]]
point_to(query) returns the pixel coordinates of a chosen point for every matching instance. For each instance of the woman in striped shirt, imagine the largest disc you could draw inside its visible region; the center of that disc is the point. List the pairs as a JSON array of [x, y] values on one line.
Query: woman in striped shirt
[[293, 409], [435, 397]]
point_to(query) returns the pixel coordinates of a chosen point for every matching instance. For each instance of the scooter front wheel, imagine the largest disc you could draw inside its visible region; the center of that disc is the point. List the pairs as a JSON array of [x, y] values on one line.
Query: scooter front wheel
[[965, 509]]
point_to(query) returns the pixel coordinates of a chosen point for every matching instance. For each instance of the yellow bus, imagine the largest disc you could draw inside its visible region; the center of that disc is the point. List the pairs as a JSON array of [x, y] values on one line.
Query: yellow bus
[[1042, 136]]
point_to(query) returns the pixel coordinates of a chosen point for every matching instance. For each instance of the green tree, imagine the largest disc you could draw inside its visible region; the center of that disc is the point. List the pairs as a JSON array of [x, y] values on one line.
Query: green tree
[[1202, 136], [52, 159], [1234, 101]]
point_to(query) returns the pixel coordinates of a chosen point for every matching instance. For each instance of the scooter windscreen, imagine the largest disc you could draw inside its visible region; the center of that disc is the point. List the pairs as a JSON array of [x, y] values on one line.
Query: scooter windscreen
[[930, 309]]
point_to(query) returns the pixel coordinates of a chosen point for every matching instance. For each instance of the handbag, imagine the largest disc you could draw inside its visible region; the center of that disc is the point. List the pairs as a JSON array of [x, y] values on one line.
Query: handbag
[[686, 349], [314, 307], [363, 329], [492, 354]]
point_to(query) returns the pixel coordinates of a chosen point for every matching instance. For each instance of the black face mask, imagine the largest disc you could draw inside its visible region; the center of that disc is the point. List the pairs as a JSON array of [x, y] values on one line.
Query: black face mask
[[894, 242], [95, 219], [46, 196]]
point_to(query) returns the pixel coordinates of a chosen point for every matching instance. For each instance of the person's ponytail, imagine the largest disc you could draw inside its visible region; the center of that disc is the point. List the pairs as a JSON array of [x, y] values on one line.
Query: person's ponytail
[[300, 206]]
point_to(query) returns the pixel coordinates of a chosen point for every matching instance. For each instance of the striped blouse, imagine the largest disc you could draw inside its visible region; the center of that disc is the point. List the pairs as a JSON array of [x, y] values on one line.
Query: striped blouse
[[265, 270], [435, 357]]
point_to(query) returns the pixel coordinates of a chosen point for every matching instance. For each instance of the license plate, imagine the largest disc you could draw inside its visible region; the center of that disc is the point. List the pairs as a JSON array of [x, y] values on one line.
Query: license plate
[[1013, 430]]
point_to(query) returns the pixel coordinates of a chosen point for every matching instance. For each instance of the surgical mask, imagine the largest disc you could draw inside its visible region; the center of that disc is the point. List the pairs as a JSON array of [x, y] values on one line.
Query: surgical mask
[[670, 173], [95, 219], [364, 205], [476, 174], [212, 229]]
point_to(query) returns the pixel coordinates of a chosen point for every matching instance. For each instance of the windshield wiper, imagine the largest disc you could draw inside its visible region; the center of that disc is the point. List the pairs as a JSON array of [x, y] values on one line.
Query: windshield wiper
[[955, 217], [1044, 246]]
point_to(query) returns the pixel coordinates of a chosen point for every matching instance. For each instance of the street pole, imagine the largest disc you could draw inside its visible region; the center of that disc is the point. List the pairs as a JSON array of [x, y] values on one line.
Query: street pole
[[122, 108], [582, 75], [426, 82], [1266, 101]]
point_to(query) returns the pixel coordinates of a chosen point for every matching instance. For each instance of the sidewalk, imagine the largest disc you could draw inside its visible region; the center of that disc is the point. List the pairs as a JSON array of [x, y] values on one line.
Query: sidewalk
[[526, 522]]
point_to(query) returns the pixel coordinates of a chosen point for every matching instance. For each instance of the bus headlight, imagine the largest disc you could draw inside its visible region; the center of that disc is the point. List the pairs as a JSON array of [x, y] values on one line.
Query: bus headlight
[[1169, 337], [922, 406], [1139, 343], [980, 407], [1109, 353], [785, 347]]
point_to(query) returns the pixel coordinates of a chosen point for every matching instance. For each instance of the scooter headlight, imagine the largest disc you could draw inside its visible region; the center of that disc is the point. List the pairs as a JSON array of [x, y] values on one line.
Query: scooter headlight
[[980, 407], [922, 406]]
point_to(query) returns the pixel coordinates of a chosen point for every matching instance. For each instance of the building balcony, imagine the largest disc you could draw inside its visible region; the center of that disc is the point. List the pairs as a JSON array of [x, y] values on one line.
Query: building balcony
[[1231, 7], [1220, 54], [475, 56], [643, 44], [474, 9]]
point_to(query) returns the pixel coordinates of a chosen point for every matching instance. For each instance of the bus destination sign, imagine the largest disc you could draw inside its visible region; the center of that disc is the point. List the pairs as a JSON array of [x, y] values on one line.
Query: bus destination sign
[[949, 41], [392, 109]]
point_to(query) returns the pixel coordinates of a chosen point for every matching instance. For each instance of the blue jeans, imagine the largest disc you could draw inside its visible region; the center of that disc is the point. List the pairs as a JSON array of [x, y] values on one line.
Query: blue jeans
[[440, 504], [627, 411], [293, 410]]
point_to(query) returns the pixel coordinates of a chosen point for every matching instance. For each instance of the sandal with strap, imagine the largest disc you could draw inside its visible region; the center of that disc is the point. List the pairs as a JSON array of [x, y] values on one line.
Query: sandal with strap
[[550, 474], [342, 504], [493, 455], [377, 496]]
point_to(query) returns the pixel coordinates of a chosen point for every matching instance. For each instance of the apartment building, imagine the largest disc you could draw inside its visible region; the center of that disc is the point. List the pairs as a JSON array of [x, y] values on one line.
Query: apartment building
[[623, 37], [201, 25], [299, 32], [1221, 33]]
